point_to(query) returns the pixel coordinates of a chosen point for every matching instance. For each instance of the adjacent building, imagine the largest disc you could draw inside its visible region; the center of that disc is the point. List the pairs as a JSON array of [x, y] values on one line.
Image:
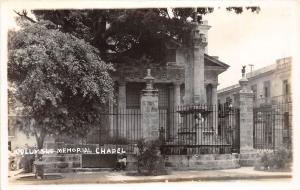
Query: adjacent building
[[270, 84], [272, 103]]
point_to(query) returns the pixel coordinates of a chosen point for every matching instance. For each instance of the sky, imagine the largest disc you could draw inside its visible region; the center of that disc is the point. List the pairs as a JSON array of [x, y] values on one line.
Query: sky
[[248, 38]]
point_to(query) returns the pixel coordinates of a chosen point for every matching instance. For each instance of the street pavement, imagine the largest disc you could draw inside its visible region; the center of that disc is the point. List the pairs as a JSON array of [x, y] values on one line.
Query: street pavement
[[110, 177]]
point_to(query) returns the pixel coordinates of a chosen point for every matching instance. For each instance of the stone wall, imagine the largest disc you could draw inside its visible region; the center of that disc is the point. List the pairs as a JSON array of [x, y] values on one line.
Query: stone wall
[[202, 162], [248, 159], [72, 163], [195, 162]]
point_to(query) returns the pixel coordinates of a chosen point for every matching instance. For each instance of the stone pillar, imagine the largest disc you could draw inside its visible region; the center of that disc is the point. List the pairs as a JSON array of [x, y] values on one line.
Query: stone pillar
[[122, 95], [246, 116], [214, 102], [194, 71], [244, 101], [121, 116], [199, 89], [149, 110], [188, 78], [111, 115], [176, 94], [176, 116], [204, 27]]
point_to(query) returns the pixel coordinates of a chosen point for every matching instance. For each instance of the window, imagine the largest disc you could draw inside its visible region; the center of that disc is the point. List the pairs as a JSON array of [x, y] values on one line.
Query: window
[[228, 103], [228, 100], [9, 145], [286, 120], [267, 89], [254, 89], [285, 87]]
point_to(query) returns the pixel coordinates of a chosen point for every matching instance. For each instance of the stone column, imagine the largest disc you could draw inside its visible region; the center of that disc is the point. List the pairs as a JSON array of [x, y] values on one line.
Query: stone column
[[246, 116], [122, 95], [204, 27], [199, 88], [111, 115], [149, 110], [214, 103], [176, 94], [121, 117], [194, 71], [244, 101], [188, 79], [176, 116]]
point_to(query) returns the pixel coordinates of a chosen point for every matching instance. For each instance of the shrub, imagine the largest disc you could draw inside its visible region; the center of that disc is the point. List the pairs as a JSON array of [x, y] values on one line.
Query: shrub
[[275, 160], [150, 160]]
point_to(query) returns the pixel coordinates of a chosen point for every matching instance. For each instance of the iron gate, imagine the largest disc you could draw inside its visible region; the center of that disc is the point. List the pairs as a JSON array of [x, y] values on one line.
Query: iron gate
[[200, 129], [272, 126]]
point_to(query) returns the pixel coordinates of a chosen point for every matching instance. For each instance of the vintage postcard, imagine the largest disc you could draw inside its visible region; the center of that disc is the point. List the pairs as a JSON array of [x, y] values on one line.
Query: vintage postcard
[[163, 93]]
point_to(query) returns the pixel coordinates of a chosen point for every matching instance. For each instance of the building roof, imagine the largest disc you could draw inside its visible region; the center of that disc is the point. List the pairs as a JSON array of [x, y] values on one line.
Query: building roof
[[262, 70], [280, 64], [209, 60], [215, 61], [229, 88]]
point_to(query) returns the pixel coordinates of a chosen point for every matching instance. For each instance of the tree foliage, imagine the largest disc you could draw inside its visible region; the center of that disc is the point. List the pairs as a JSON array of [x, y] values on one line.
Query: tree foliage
[[59, 79], [57, 61], [124, 35]]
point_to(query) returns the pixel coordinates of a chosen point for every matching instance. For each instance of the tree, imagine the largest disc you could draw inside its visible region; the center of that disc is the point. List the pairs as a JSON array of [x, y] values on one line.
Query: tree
[[126, 35], [60, 80]]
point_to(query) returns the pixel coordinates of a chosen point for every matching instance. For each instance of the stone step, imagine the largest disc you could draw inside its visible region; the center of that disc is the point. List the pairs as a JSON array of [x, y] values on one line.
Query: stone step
[[60, 164], [209, 161], [62, 158], [74, 170]]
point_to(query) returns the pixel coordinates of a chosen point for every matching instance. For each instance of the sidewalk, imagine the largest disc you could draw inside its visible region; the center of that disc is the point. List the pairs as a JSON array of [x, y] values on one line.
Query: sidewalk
[[244, 173]]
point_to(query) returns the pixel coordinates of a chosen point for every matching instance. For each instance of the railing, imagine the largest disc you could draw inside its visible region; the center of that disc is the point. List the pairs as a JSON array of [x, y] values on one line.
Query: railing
[[199, 129], [195, 129], [121, 127], [272, 126], [284, 63], [275, 100]]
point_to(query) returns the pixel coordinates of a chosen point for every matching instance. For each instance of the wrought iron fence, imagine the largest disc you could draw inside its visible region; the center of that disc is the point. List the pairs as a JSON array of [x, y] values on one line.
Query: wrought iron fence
[[199, 129], [272, 126], [121, 127]]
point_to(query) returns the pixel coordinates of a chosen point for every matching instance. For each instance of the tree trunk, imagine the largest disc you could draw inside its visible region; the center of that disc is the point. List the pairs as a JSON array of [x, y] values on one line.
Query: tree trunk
[[39, 165]]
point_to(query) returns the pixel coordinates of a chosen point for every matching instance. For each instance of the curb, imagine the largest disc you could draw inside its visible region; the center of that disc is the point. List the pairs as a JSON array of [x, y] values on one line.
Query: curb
[[175, 179], [223, 178]]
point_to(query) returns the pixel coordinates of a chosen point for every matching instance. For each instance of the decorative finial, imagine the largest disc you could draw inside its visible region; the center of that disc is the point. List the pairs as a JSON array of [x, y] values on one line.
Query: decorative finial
[[244, 81], [243, 71], [149, 72], [149, 80]]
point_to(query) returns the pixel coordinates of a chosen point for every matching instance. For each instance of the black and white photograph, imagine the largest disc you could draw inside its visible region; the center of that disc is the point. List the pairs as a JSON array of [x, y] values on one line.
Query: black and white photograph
[[98, 93]]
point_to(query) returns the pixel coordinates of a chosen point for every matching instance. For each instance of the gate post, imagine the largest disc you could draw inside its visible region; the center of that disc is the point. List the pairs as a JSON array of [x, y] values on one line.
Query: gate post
[[244, 101], [149, 110]]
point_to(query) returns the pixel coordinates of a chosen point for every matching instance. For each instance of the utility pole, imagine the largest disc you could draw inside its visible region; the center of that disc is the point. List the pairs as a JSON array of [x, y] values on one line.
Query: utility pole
[[251, 66]]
